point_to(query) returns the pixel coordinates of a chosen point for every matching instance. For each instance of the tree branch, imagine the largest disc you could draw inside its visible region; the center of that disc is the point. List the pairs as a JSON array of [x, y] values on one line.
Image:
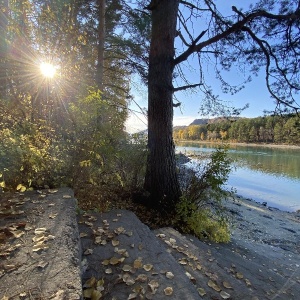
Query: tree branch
[[192, 6], [185, 87], [234, 28]]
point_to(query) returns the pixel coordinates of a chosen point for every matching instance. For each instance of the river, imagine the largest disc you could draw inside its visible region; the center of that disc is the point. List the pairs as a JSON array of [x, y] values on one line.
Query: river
[[264, 174]]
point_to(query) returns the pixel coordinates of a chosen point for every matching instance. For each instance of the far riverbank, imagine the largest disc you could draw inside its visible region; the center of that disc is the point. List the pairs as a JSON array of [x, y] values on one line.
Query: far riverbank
[[279, 146]]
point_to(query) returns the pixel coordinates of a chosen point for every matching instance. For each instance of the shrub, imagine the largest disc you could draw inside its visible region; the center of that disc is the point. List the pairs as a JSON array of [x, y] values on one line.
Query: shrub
[[200, 210]]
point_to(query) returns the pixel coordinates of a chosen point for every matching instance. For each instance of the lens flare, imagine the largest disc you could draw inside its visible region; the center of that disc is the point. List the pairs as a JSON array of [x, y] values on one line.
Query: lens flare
[[47, 69]]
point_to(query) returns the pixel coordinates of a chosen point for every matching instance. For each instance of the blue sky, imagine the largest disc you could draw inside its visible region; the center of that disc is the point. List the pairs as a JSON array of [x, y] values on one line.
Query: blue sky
[[255, 93]]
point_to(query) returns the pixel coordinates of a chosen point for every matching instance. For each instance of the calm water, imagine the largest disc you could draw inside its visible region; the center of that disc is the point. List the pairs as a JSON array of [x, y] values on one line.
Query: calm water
[[263, 174]]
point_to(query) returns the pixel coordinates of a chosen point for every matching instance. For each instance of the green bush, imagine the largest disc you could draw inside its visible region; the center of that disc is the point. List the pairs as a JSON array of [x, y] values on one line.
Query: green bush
[[200, 210]]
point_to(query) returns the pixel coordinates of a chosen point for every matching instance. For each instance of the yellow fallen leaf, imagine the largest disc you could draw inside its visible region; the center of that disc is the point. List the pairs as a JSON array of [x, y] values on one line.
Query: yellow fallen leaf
[[115, 242], [239, 276], [248, 283], [168, 291], [108, 271], [201, 292], [214, 286], [169, 275], [147, 267], [142, 278], [137, 264], [153, 284], [96, 295], [224, 295], [17, 233], [67, 196], [227, 285], [127, 268], [90, 282]]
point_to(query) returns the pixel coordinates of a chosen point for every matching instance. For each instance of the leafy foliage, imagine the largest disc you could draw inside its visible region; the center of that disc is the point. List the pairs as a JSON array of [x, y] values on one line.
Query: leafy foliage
[[269, 129], [200, 209]]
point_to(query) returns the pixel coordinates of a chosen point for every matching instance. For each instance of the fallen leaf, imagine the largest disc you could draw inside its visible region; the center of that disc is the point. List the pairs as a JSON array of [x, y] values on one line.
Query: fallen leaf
[[214, 286], [115, 242], [88, 252], [108, 271], [137, 264], [224, 295], [153, 284], [168, 291], [127, 268], [239, 276], [169, 275], [96, 295], [147, 267], [201, 292], [83, 234], [227, 285], [142, 278], [247, 281], [53, 216], [90, 282], [38, 231], [67, 197]]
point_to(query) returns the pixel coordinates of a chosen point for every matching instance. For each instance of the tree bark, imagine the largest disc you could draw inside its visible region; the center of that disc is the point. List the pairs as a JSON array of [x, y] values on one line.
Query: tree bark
[[3, 47], [161, 179], [101, 40]]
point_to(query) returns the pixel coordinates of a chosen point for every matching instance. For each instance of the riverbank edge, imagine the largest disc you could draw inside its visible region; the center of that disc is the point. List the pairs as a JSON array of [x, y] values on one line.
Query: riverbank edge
[[279, 146]]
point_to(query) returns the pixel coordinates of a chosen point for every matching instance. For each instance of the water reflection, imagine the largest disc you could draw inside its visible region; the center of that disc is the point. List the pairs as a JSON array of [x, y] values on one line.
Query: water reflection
[[275, 161], [264, 174]]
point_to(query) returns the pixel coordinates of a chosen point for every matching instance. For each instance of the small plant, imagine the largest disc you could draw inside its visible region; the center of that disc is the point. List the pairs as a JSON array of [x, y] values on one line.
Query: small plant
[[200, 211]]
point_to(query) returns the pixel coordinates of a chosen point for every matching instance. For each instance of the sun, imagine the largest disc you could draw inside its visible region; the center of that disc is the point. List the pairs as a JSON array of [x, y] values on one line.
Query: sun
[[47, 69]]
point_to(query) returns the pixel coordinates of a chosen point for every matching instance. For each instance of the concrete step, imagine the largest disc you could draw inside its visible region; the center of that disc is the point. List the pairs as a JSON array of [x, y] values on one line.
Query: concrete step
[[40, 246], [129, 260]]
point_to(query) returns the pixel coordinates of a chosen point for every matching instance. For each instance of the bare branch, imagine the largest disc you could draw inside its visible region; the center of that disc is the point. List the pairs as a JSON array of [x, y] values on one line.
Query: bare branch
[[234, 28], [185, 87], [264, 47], [192, 6]]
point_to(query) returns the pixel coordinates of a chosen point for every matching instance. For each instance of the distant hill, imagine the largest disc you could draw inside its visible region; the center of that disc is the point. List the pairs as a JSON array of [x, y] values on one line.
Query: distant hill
[[199, 122], [212, 121]]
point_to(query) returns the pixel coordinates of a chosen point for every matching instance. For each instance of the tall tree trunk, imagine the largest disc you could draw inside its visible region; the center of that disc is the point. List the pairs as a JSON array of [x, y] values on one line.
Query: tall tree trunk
[[3, 47], [101, 39], [161, 179]]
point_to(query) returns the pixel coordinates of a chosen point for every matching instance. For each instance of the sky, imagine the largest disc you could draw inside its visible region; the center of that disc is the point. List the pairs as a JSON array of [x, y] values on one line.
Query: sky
[[255, 93]]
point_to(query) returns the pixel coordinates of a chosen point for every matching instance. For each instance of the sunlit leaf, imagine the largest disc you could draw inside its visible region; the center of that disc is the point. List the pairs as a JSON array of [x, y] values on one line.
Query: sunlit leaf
[[21, 188], [108, 271], [239, 275], [39, 230], [67, 196], [53, 216], [17, 233], [83, 234]]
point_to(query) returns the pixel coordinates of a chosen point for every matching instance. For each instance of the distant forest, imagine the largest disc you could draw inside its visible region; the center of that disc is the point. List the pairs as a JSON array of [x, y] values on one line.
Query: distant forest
[[269, 129]]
